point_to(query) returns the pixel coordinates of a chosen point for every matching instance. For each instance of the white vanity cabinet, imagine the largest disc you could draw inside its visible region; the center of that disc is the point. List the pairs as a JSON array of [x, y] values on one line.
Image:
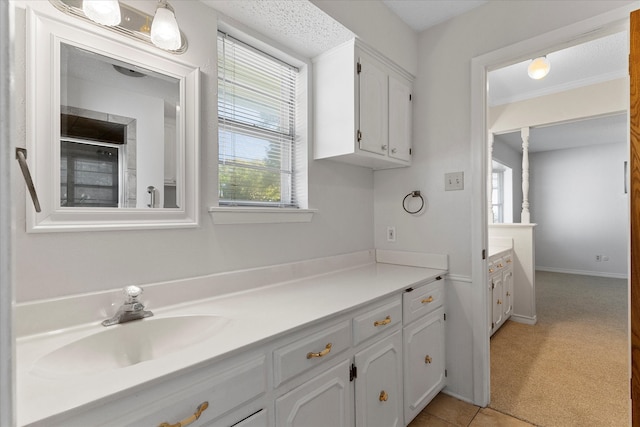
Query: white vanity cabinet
[[372, 363], [500, 280], [363, 108], [364, 379], [424, 355]]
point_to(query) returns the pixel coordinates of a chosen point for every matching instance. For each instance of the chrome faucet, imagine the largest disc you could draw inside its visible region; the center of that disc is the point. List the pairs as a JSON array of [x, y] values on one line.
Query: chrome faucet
[[132, 309]]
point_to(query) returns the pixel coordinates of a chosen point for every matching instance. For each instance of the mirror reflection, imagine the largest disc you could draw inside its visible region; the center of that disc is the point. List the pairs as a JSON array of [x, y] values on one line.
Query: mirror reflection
[[119, 127]]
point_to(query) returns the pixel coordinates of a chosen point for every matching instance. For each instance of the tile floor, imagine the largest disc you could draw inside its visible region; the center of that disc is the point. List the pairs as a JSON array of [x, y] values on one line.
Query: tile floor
[[447, 411]]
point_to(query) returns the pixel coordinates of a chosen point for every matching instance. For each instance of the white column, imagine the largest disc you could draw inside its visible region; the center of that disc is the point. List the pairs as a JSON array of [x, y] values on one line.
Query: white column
[[525, 216], [490, 177]]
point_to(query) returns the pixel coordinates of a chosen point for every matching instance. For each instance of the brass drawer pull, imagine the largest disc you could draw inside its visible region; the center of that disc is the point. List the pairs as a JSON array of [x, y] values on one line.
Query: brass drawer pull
[[427, 300], [383, 396], [499, 302], [201, 408], [508, 261], [491, 270], [322, 353], [427, 359], [386, 321]]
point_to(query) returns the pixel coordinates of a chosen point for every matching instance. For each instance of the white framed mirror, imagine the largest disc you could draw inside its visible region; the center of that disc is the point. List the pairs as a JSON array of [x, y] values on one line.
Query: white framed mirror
[[112, 130]]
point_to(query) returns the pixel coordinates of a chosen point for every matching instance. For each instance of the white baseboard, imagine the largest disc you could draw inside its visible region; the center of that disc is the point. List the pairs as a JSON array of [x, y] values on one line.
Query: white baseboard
[[583, 272], [524, 319], [457, 396]]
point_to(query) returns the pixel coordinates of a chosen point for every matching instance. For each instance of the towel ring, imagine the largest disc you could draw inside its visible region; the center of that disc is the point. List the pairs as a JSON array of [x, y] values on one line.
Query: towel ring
[[413, 194]]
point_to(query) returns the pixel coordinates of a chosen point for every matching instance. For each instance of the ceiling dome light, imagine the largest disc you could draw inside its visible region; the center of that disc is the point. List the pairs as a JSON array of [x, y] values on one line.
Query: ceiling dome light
[[104, 12], [539, 68], [164, 28]]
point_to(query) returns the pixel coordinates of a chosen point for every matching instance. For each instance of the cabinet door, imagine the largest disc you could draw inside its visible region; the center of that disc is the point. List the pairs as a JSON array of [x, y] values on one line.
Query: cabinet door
[[424, 362], [507, 284], [498, 295], [326, 400], [379, 384], [400, 119], [373, 106]]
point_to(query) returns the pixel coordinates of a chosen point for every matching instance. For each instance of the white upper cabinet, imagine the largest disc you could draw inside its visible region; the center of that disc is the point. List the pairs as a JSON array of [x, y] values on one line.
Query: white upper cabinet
[[400, 119], [362, 111]]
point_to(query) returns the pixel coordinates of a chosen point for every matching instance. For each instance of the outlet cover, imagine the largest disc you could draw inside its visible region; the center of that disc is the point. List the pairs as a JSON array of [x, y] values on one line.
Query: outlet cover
[[454, 181]]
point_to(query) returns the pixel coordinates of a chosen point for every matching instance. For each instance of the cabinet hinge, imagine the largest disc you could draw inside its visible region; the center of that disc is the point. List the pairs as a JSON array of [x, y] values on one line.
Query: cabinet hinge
[[493, 325], [445, 316], [410, 151], [439, 278], [409, 97], [493, 285], [409, 290], [353, 372], [446, 373], [359, 135], [484, 254], [359, 68]]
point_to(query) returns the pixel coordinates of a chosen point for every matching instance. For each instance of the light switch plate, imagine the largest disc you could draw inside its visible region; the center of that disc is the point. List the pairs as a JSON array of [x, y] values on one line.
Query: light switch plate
[[454, 181]]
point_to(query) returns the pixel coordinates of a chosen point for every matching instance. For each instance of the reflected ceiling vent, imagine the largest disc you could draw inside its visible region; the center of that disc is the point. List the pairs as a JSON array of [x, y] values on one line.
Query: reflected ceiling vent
[[128, 72]]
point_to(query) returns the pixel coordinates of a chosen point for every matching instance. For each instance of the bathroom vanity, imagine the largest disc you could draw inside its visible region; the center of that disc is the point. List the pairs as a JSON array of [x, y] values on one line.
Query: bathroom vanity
[[365, 339]]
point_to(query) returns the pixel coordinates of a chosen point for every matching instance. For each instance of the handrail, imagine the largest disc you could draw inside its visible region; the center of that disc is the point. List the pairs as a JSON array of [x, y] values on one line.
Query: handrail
[[21, 156]]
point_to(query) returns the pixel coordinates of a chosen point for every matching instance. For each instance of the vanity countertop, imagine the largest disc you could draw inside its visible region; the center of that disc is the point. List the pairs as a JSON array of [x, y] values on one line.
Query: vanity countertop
[[287, 306]]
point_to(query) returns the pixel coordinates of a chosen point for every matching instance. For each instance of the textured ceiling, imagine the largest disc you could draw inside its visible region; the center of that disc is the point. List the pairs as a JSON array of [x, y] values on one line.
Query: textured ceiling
[[296, 24], [422, 14]]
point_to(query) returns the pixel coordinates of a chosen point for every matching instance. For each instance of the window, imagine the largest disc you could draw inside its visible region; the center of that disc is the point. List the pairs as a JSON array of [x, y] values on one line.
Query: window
[[256, 127], [501, 193]]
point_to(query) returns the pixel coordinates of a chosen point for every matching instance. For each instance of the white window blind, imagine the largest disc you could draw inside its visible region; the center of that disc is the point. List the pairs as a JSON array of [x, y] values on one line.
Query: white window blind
[[256, 120]]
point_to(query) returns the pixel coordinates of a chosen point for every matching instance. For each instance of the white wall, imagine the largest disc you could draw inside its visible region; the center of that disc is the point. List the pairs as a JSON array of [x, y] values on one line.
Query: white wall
[[578, 201], [512, 158], [55, 264], [442, 144]]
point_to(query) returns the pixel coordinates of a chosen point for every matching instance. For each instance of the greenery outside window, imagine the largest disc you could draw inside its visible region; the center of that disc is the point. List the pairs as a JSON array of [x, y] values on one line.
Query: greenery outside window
[[256, 127]]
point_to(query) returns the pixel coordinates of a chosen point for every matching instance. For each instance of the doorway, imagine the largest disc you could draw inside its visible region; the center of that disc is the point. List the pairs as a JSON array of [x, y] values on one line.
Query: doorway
[[571, 35]]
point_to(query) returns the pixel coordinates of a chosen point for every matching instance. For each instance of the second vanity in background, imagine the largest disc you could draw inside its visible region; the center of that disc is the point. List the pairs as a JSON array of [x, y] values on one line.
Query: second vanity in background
[[362, 345]]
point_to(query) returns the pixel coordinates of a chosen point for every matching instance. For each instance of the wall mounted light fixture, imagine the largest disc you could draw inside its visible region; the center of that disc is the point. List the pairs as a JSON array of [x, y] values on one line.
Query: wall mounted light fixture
[[164, 29], [539, 68], [133, 23], [104, 12]]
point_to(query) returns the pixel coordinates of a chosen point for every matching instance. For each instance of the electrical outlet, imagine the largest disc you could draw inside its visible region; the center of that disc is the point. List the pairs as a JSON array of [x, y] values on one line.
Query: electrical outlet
[[391, 234], [598, 258], [454, 181]]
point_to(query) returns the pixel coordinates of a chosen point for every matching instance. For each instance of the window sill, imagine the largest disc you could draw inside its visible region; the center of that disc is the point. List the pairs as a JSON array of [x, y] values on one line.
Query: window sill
[[242, 215]]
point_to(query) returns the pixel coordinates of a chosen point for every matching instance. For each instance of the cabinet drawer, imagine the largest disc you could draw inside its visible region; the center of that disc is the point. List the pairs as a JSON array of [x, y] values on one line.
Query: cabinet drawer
[[422, 300], [507, 260], [377, 320], [223, 390], [310, 351]]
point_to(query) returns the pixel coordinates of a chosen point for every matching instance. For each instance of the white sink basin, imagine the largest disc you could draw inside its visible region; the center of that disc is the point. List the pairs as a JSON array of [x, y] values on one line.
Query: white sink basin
[[127, 344]]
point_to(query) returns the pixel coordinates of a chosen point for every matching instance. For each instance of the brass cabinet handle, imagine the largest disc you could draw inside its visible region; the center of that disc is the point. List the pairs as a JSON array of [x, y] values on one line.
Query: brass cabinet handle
[[508, 294], [201, 408], [322, 353], [427, 359], [491, 270], [383, 396], [499, 302], [427, 300], [386, 321], [508, 261], [500, 265]]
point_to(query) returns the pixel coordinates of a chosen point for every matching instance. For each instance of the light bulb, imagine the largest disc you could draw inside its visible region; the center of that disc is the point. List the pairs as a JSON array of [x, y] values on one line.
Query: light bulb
[[104, 12], [164, 29], [539, 68]]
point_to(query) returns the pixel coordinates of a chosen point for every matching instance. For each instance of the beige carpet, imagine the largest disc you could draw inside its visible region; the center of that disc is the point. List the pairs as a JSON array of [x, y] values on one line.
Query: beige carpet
[[571, 368]]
